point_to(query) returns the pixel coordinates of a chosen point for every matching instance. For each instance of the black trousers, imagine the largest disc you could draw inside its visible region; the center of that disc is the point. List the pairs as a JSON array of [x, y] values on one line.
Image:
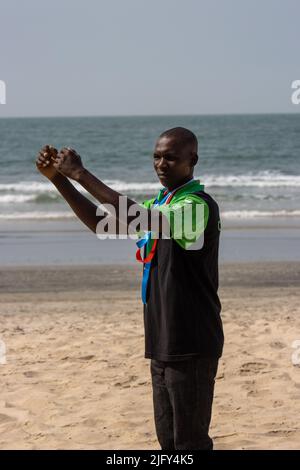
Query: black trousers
[[182, 398]]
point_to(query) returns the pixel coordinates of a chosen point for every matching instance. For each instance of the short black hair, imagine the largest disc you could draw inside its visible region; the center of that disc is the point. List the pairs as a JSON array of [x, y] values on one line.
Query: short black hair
[[186, 136]]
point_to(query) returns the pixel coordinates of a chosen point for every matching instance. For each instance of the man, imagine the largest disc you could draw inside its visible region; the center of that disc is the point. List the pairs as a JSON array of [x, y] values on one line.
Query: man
[[183, 328]]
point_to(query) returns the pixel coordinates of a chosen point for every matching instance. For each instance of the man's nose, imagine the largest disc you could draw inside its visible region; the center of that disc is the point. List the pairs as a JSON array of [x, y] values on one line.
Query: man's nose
[[162, 163]]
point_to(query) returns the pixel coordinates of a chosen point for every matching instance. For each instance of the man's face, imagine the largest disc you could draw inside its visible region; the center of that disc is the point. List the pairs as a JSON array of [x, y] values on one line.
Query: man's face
[[172, 162]]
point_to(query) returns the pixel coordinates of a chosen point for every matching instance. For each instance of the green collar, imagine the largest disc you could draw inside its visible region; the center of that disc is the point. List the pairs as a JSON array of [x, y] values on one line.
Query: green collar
[[192, 186]]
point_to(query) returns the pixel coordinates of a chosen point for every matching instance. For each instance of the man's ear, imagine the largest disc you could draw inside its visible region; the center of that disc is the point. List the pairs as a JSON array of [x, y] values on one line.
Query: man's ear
[[194, 159]]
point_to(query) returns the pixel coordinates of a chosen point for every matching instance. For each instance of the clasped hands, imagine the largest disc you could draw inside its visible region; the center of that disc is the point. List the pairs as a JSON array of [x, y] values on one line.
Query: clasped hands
[[67, 162]]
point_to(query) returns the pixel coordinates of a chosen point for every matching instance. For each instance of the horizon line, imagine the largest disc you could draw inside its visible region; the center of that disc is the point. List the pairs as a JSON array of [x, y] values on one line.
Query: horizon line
[[150, 115]]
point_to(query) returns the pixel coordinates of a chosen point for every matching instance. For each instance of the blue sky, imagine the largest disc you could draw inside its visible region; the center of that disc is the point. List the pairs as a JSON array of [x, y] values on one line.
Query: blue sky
[[132, 57]]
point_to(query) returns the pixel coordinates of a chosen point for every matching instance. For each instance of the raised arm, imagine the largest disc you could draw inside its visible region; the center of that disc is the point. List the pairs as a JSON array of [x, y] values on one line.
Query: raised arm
[[69, 164], [58, 167]]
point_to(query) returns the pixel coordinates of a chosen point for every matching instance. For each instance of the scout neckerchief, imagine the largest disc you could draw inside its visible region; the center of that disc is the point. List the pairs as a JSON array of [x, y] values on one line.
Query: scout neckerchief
[[164, 197]]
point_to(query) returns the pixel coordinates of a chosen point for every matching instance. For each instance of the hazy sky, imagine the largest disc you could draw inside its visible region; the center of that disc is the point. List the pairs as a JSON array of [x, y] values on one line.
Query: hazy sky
[[116, 57]]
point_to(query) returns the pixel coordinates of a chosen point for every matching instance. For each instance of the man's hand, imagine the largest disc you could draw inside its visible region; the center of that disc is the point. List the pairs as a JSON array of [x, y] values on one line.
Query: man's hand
[[44, 161], [69, 163]]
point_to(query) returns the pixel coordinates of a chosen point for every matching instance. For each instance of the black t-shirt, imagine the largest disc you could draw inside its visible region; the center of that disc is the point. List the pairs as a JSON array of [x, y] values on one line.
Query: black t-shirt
[[182, 313]]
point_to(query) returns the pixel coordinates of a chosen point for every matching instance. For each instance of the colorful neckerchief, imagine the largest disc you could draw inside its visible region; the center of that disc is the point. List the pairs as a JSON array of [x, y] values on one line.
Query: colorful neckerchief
[[164, 197]]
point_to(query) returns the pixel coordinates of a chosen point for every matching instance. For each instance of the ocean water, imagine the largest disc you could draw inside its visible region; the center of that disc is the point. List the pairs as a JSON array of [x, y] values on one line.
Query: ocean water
[[250, 163]]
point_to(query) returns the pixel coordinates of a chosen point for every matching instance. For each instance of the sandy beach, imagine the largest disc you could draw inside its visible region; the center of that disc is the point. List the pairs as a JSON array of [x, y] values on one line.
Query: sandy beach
[[75, 376]]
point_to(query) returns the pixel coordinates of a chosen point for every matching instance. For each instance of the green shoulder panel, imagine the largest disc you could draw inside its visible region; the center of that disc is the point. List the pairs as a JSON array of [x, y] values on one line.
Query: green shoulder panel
[[148, 203], [184, 203], [188, 217]]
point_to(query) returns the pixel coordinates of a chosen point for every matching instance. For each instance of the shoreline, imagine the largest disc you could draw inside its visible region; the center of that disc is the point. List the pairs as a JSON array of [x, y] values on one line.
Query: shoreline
[[71, 243], [73, 224]]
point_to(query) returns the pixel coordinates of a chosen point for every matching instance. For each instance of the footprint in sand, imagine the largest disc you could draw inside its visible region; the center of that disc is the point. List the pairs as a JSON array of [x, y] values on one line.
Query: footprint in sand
[[281, 432], [8, 413], [251, 368], [30, 373], [278, 403], [277, 345], [86, 358], [127, 383], [6, 418], [259, 393]]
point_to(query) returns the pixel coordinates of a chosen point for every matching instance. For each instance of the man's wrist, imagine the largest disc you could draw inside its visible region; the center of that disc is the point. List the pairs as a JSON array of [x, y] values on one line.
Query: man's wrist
[[57, 178], [80, 175]]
